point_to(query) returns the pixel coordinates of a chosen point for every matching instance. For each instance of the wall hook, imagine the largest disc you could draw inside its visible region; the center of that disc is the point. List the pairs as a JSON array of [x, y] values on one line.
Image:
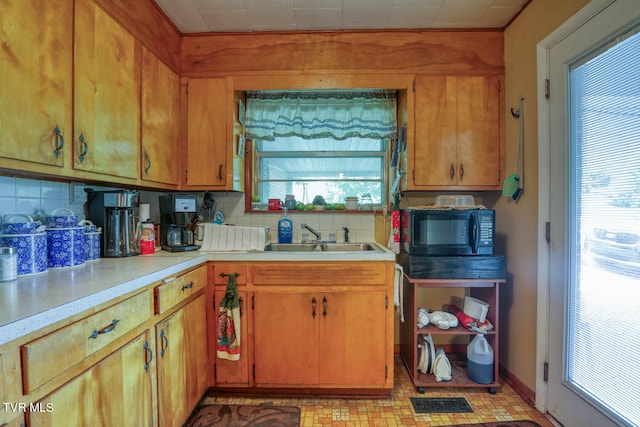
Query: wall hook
[[516, 113]]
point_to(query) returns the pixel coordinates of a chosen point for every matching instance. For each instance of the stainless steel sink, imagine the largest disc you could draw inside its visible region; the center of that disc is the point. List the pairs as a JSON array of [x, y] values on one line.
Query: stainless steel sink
[[319, 247], [347, 247]]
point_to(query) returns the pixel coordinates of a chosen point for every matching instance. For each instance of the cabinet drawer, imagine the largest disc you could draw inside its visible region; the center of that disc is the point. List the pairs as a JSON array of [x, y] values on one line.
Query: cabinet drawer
[[316, 273], [53, 354], [175, 289]]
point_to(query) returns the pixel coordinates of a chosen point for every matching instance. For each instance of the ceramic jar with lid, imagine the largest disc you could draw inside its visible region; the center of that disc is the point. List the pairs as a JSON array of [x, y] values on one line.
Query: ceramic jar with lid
[[351, 203]]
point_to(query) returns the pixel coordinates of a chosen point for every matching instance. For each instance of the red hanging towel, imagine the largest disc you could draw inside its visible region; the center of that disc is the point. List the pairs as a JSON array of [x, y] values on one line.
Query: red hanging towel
[[228, 343]]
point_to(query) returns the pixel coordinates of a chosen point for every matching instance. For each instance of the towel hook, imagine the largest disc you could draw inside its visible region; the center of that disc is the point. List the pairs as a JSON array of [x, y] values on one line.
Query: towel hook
[[229, 275]]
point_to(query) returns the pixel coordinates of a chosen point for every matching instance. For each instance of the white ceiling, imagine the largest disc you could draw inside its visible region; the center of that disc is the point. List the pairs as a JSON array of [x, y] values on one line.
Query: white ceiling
[[194, 16]]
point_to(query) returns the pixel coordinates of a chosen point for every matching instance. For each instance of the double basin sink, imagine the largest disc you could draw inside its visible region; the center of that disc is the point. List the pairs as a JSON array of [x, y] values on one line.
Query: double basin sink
[[319, 247]]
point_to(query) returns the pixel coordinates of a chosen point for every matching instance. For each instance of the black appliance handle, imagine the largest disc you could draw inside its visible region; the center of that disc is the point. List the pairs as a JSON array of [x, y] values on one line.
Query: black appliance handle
[[474, 233]]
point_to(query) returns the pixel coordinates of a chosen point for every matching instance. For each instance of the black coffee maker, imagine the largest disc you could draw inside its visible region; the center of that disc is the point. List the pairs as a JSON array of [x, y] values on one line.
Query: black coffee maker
[[178, 215]]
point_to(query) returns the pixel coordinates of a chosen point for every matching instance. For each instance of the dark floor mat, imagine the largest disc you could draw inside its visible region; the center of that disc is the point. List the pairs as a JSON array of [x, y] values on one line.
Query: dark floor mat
[[440, 405]]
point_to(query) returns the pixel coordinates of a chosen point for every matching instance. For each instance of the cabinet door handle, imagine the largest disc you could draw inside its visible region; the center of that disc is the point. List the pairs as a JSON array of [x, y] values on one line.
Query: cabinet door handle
[[59, 141], [461, 171], [164, 344], [147, 162], [85, 148], [110, 327], [313, 305], [240, 301], [148, 355], [452, 172], [324, 306], [220, 173], [189, 286]]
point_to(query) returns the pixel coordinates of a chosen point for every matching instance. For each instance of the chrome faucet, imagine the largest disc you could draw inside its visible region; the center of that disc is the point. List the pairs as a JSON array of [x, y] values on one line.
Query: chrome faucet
[[315, 233]]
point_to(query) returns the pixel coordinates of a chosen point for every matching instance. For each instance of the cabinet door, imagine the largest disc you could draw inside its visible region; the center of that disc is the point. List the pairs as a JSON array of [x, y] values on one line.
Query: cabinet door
[[107, 94], [228, 371], [458, 139], [115, 392], [479, 130], [286, 338], [160, 121], [353, 340], [35, 65], [182, 362], [207, 133], [434, 151]]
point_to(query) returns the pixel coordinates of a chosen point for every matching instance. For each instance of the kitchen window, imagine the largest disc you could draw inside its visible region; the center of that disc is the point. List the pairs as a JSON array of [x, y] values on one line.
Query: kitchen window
[[333, 144], [333, 169]]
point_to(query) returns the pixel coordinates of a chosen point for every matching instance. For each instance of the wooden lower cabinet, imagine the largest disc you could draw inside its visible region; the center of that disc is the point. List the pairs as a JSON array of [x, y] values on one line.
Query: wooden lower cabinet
[[115, 392], [321, 338], [181, 344], [233, 372]]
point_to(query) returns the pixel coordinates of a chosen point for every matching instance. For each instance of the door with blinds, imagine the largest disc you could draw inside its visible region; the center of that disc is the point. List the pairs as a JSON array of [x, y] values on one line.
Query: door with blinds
[[594, 267]]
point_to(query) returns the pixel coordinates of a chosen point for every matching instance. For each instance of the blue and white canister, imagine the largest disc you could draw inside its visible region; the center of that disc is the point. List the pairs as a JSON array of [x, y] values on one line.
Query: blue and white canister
[[91, 241], [65, 247], [31, 249]]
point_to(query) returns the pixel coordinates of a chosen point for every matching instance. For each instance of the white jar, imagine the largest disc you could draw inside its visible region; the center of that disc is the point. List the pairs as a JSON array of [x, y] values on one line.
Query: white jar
[[8, 264], [351, 203]]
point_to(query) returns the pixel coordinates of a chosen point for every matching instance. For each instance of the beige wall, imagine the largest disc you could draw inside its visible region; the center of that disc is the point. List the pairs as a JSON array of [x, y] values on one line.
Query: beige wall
[[519, 221]]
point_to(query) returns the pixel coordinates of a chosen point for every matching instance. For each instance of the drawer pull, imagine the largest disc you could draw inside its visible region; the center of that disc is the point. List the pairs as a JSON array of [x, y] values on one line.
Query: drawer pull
[[104, 330], [164, 344], [169, 280], [324, 306], [148, 356], [189, 286], [313, 306]]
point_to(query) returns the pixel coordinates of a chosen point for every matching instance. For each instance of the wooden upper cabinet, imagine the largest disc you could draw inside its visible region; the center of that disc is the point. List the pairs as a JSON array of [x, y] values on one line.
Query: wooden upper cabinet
[[458, 133], [160, 121], [107, 95], [35, 87], [207, 148]]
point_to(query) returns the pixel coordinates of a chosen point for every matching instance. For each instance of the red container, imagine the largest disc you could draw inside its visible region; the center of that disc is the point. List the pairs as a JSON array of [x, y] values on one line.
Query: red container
[[147, 238], [275, 204]]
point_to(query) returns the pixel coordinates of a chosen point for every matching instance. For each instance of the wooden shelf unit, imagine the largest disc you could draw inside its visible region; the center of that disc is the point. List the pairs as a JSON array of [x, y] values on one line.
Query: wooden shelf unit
[[484, 289]]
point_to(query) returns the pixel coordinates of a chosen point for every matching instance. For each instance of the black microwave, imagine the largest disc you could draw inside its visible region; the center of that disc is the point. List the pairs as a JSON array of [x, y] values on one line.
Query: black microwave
[[447, 231]]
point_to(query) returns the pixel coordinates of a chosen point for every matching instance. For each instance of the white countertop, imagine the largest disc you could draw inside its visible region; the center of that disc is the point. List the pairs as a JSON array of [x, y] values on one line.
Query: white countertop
[[33, 302]]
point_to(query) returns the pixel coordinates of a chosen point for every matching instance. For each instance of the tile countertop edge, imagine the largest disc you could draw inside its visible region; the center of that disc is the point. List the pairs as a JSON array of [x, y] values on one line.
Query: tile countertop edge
[[31, 323]]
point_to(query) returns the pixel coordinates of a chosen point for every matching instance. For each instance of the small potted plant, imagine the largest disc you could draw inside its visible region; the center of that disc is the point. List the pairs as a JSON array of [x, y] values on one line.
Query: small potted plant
[[318, 203]]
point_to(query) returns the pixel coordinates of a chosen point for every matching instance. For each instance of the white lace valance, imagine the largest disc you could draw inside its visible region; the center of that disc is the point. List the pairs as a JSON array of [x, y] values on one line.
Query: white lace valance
[[326, 114]]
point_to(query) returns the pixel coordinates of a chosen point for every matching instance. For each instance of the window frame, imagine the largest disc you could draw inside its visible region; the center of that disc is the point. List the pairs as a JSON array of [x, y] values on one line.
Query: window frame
[[252, 175]]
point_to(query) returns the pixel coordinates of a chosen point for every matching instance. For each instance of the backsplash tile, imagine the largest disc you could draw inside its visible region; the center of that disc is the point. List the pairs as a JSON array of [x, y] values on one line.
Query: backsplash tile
[[38, 198]]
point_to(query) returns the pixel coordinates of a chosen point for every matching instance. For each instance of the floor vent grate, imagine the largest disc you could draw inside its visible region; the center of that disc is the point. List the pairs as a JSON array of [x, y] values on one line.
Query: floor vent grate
[[440, 405]]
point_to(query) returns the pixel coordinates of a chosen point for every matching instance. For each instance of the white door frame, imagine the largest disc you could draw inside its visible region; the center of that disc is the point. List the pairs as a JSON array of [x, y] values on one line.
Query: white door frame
[[542, 335]]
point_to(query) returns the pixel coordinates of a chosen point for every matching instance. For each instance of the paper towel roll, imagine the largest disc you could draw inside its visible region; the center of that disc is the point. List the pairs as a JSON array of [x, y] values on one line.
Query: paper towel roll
[[145, 212]]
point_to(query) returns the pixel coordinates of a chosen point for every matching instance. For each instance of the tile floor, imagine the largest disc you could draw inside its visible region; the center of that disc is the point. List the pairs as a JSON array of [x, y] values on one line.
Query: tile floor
[[505, 405]]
